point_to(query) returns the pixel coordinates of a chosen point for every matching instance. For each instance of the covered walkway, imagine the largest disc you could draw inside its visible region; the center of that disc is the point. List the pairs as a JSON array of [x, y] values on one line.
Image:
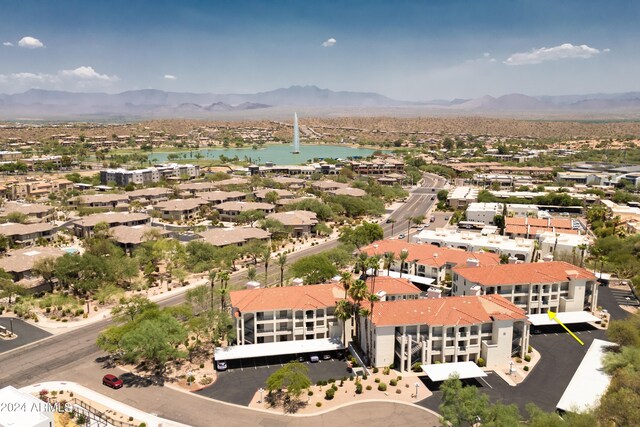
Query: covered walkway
[[566, 317]]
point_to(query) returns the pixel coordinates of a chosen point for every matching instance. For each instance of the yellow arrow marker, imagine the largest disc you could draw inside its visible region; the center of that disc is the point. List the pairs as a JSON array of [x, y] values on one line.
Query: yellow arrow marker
[[553, 316]]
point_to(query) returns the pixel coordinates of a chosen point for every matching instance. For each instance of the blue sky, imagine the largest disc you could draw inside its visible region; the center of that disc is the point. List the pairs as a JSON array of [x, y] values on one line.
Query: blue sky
[[413, 50]]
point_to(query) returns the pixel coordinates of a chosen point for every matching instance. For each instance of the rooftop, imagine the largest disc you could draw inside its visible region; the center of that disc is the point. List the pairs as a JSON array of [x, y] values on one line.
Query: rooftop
[[136, 234], [21, 260], [230, 236], [308, 297], [458, 310], [429, 254], [512, 274], [295, 218], [244, 206], [111, 218]]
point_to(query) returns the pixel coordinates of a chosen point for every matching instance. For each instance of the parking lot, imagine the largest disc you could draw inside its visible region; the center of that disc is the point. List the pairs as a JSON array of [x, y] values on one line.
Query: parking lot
[[26, 334], [243, 378], [624, 297]]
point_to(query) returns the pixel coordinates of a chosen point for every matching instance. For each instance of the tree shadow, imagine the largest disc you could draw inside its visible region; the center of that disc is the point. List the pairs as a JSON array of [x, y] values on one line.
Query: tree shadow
[[106, 362], [135, 380]]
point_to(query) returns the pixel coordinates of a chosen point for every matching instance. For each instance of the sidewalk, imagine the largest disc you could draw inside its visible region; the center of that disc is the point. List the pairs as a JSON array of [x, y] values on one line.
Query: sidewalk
[[101, 400]]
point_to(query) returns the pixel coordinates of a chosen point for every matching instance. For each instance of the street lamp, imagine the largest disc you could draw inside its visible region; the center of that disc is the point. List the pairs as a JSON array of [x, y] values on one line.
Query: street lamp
[[11, 327], [417, 385], [261, 390]]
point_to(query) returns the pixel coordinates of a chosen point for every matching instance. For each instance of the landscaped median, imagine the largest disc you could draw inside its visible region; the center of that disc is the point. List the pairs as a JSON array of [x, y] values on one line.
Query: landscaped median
[[385, 384]]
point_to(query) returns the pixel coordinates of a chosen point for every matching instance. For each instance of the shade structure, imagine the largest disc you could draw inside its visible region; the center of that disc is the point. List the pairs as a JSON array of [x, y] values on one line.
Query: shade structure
[[442, 371], [248, 351], [566, 317]]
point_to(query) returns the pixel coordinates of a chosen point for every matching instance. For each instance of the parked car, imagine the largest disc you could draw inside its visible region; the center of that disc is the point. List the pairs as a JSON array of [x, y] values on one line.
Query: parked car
[[401, 236], [221, 365], [314, 358], [301, 359], [420, 228], [339, 354], [446, 218], [326, 356], [112, 381]]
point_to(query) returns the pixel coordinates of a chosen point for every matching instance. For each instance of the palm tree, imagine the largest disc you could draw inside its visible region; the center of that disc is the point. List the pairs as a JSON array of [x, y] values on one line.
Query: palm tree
[[388, 258], [392, 222], [409, 222], [343, 312], [282, 261], [358, 293], [404, 254], [583, 247], [223, 291], [372, 297], [266, 256], [346, 279], [365, 312], [212, 281], [373, 263], [359, 266]]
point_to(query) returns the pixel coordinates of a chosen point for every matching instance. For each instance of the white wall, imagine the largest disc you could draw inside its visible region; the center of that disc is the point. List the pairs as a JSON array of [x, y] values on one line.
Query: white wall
[[384, 353]]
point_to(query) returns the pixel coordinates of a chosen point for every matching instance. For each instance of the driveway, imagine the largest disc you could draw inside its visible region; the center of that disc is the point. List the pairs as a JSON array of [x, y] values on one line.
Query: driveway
[[26, 334], [544, 386], [610, 299], [239, 384]]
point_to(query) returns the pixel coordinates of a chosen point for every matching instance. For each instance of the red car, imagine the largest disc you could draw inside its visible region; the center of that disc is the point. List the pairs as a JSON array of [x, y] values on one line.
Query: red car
[[112, 381]]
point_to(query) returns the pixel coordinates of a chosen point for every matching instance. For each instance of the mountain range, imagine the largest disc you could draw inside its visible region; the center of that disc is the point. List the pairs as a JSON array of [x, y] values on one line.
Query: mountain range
[[152, 103]]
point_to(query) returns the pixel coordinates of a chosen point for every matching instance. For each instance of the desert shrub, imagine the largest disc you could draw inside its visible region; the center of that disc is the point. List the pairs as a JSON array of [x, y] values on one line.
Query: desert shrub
[[398, 391], [481, 362], [375, 370], [530, 349], [368, 387], [527, 358], [318, 404], [386, 371], [334, 387], [399, 377], [393, 382], [518, 360], [416, 367], [329, 394], [310, 393], [358, 388], [377, 380], [382, 387], [206, 380], [526, 368]]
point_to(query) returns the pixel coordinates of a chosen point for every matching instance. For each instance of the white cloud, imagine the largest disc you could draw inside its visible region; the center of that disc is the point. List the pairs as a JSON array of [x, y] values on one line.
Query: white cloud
[[170, 77], [29, 42], [486, 54], [8, 44], [87, 73], [329, 42], [564, 51]]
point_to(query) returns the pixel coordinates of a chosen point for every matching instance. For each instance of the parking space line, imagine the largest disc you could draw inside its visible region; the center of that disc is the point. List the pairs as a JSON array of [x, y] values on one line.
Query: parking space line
[[484, 381]]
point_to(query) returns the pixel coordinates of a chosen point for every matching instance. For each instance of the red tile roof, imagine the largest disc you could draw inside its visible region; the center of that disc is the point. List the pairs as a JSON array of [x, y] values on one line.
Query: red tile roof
[[286, 298], [392, 286], [514, 274], [430, 255], [450, 311], [522, 229]]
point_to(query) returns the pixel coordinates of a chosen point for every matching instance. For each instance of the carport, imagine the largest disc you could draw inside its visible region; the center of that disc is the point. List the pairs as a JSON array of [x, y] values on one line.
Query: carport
[[589, 381], [248, 351], [566, 317], [442, 371], [410, 277]]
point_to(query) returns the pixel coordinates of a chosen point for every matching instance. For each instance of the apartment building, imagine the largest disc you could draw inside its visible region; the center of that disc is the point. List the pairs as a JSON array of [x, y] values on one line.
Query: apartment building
[[461, 197], [150, 195], [148, 175], [179, 209], [35, 212], [238, 236], [292, 313], [519, 249], [424, 260], [483, 212], [536, 287], [35, 188], [261, 195], [377, 166], [106, 201], [20, 262], [27, 234], [84, 226], [229, 211], [300, 223], [444, 330], [529, 227]]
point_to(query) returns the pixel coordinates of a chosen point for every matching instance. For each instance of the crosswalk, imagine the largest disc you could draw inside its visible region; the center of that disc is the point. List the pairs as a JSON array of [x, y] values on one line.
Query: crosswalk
[[623, 297]]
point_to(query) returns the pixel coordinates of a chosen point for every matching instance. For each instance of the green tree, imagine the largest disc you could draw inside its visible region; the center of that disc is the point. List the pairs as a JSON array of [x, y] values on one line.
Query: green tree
[[361, 235], [250, 217], [314, 269], [129, 307], [460, 405], [46, 268], [293, 377], [8, 288], [404, 254], [358, 293], [266, 257]]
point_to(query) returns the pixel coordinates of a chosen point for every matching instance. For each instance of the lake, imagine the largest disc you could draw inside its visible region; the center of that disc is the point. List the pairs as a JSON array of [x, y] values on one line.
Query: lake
[[278, 154]]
